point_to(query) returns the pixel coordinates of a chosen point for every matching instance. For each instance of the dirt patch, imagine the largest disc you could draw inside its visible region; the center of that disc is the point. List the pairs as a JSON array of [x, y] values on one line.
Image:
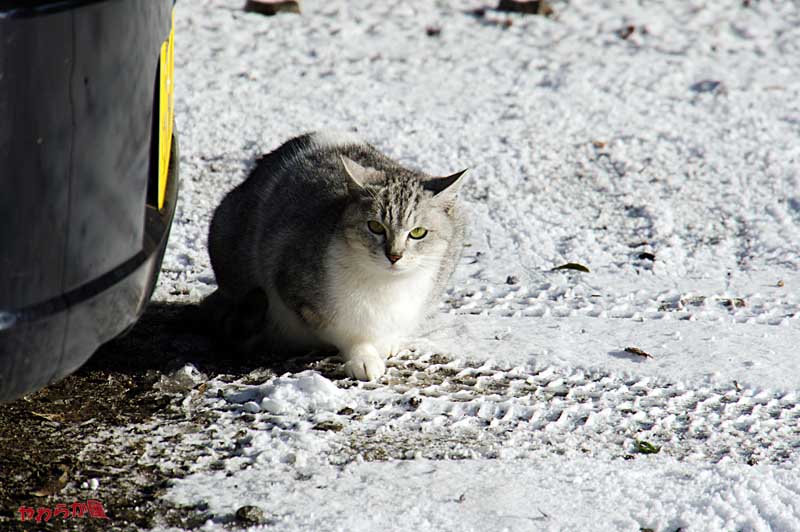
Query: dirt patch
[[62, 444]]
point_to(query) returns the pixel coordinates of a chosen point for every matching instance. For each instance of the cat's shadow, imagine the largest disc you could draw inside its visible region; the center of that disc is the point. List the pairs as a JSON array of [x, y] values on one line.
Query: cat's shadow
[[170, 335]]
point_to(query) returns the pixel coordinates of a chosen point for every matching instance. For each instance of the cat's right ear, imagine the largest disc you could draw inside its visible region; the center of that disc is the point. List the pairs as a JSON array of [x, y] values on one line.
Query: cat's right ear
[[358, 175]]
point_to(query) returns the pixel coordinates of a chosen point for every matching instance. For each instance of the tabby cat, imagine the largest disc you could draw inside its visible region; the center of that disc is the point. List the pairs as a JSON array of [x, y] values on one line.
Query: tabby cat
[[331, 244]]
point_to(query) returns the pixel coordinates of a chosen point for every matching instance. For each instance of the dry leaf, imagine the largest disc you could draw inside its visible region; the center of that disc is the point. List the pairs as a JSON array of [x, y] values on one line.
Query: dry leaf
[[638, 352], [272, 7], [55, 418], [54, 484], [572, 266]]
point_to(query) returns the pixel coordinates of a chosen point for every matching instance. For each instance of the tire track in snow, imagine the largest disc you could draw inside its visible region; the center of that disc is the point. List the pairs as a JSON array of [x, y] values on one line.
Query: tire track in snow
[[432, 406]]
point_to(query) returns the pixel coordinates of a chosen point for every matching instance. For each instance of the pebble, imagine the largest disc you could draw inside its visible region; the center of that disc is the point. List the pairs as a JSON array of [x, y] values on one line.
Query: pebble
[[250, 515]]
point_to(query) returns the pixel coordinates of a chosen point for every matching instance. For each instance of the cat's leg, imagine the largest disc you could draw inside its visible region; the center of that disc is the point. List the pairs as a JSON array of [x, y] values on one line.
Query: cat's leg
[[311, 318], [363, 362]]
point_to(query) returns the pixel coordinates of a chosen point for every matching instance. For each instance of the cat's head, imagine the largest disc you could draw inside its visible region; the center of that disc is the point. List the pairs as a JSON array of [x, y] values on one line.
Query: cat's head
[[400, 221]]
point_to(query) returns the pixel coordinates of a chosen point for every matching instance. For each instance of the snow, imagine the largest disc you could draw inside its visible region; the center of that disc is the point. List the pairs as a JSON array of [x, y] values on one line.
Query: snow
[[665, 162], [305, 392], [546, 494], [756, 355]]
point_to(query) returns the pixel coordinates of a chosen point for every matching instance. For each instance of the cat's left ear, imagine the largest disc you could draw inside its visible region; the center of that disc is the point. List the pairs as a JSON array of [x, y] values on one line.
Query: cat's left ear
[[445, 188]]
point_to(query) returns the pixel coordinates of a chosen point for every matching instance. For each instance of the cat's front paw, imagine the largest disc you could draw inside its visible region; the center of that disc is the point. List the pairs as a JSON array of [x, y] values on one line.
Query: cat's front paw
[[389, 348], [364, 363]]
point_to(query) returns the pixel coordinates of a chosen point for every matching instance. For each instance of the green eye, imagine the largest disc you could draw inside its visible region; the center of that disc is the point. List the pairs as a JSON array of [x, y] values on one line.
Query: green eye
[[376, 227], [418, 232]]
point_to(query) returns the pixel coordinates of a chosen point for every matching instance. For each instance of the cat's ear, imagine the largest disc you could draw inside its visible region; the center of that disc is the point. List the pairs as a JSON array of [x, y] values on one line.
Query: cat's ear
[[445, 188], [359, 175]]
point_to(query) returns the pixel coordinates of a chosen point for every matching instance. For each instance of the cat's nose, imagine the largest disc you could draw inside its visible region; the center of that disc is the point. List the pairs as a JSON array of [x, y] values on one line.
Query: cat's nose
[[393, 258]]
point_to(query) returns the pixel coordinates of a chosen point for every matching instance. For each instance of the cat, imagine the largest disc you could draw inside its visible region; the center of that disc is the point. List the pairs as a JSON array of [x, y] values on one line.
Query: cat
[[331, 244]]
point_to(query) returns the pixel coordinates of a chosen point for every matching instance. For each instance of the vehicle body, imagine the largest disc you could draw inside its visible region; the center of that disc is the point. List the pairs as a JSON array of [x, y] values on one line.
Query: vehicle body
[[88, 177]]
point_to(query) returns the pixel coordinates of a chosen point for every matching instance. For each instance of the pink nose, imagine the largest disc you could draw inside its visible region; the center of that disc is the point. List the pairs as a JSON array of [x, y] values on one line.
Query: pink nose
[[393, 258]]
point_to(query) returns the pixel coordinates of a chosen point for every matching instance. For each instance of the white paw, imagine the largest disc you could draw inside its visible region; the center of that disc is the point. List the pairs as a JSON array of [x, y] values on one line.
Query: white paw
[[389, 349], [364, 363]]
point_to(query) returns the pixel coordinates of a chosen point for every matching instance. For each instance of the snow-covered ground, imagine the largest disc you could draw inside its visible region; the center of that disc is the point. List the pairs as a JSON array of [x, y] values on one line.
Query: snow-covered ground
[[657, 144]]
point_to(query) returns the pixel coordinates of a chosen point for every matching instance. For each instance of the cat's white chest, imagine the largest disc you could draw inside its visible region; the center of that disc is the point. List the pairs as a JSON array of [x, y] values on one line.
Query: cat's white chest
[[374, 308]]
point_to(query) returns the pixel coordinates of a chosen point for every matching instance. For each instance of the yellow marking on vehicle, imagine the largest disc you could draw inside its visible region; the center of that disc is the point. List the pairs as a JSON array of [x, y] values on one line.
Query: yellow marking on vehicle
[[166, 110]]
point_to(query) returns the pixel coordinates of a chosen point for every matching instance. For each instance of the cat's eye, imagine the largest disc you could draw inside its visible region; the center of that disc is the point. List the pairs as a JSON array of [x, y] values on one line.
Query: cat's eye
[[418, 233], [376, 227]]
